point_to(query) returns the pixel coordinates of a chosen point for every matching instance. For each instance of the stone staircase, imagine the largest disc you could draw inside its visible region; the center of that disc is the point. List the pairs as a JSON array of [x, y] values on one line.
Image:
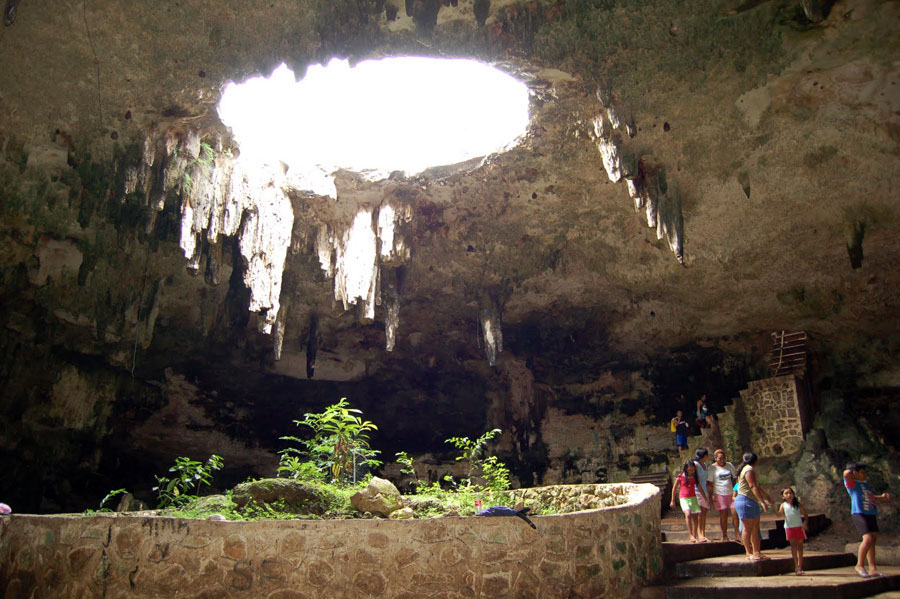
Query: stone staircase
[[720, 569]]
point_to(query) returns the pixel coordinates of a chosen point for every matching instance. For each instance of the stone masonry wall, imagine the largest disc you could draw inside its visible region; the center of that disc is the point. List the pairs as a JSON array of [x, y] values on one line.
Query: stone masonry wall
[[773, 413], [603, 552]]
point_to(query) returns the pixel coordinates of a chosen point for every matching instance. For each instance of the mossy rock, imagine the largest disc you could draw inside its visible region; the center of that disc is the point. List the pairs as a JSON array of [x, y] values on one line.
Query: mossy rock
[[295, 496], [214, 503]]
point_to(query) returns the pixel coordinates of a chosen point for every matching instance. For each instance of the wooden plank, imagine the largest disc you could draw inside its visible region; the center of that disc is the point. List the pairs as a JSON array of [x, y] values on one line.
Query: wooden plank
[[775, 354], [787, 360], [790, 335], [790, 345]]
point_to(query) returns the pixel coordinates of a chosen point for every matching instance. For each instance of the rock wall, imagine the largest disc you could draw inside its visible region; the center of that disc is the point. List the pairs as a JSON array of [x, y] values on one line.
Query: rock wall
[[774, 410], [611, 551]]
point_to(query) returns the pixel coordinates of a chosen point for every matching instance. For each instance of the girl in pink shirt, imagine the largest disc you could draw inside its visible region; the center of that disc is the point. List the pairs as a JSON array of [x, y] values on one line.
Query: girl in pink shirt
[[686, 487]]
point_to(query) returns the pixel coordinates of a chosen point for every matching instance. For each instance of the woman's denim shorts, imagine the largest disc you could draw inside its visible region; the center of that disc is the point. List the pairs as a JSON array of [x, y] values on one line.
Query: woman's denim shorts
[[747, 509]]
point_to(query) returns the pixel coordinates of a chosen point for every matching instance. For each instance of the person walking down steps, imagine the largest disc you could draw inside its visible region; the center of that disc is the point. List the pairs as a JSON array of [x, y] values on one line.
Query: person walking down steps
[[700, 459], [721, 478], [686, 489], [682, 429]]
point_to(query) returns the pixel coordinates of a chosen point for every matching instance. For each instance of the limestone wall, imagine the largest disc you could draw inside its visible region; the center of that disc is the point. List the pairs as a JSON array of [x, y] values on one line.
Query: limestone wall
[[603, 552], [773, 412]]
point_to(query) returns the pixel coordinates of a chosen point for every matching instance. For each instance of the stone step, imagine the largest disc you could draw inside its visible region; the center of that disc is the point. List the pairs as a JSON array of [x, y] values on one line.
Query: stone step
[[675, 552], [682, 536], [671, 523], [779, 562], [831, 583]]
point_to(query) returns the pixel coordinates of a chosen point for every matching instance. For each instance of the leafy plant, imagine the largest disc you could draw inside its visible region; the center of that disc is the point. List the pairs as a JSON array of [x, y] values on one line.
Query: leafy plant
[[109, 496], [297, 469], [491, 468], [190, 474], [495, 473], [407, 469], [340, 443]]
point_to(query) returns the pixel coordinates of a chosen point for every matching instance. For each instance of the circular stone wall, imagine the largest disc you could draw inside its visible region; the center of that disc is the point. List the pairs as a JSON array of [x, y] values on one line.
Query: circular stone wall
[[609, 551]]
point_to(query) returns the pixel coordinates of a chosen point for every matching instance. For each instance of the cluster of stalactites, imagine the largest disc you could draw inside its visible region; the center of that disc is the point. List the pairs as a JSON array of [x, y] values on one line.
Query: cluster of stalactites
[[219, 194], [489, 318], [646, 186], [366, 262]]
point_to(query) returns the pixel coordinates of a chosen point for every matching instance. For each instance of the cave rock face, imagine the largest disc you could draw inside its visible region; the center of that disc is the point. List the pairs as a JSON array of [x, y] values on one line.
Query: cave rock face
[[692, 179]]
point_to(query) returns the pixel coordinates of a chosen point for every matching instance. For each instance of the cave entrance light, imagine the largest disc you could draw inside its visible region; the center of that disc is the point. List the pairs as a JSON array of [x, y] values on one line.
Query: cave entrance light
[[395, 114]]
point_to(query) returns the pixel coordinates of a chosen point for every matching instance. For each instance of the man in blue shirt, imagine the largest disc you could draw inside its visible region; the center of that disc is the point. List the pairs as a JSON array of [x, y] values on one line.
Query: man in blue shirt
[[864, 513]]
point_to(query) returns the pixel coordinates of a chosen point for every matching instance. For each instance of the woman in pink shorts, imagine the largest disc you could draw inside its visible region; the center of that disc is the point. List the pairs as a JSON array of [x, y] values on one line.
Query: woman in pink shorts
[[720, 482]]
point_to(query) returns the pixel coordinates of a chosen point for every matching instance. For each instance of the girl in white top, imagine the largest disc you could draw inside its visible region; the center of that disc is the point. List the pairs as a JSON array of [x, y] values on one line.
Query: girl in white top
[[795, 526]]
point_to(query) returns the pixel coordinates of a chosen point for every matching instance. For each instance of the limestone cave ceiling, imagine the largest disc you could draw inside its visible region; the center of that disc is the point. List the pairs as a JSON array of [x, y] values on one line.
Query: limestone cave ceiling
[[695, 173]]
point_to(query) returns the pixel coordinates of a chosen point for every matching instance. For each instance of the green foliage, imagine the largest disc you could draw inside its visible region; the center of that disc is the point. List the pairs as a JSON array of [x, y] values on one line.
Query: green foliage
[[297, 469], [493, 471], [109, 496], [339, 446], [200, 166], [407, 469], [189, 475]]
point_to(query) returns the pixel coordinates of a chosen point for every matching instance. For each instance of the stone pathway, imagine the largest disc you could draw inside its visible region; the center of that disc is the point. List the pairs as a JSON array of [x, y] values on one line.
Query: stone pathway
[[720, 569]]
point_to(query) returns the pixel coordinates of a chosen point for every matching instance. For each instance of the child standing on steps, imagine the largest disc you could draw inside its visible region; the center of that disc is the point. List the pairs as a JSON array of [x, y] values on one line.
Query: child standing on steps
[[864, 514], [796, 524], [686, 488]]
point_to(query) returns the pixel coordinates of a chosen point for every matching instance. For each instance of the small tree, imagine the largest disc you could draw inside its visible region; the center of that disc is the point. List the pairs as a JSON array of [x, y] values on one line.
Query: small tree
[[189, 475], [339, 446], [495, 473]]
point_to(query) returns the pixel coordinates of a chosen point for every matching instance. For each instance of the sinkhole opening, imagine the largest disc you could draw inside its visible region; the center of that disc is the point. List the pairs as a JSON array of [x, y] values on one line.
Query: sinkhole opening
[[379, 116]]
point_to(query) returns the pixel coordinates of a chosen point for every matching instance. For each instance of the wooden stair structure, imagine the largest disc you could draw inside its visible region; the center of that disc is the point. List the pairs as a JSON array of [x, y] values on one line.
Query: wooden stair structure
[[788, 354]]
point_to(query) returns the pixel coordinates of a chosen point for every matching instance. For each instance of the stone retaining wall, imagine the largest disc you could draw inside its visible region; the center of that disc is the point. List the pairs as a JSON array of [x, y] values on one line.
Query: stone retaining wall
[[774, 411], [608, 552]]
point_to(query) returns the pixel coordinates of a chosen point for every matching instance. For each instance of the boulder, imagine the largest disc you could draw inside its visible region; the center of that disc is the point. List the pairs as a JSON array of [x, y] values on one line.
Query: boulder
[[404, 513], [296, 496], [379, 497]]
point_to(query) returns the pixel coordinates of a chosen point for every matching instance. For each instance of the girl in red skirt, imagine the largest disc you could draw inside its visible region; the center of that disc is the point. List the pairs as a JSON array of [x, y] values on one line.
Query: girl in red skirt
[[795, 526]]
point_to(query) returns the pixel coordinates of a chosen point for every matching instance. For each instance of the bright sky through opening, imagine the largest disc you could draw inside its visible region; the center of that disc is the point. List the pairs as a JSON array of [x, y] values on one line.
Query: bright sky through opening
[[405, 113]]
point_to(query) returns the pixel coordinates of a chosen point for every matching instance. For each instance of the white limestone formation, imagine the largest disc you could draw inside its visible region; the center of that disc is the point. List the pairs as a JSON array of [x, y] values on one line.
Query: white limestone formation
[[356, 265], [608, 149], [215, 200], [265, 237], [646, 196], [491, 331], [355, 259]]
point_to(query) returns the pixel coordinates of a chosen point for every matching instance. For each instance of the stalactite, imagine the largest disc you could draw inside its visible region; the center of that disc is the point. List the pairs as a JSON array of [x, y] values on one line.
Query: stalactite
[[265, 237], [608, 149], [218, 194], [648, 191], [312, 345], [356, 266], [390, 293], [490, 328], [278, 333], [356, 257]]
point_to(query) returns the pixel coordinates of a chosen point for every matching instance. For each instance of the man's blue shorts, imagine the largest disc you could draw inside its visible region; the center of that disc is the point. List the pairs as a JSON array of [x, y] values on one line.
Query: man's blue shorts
[[681, 440]]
